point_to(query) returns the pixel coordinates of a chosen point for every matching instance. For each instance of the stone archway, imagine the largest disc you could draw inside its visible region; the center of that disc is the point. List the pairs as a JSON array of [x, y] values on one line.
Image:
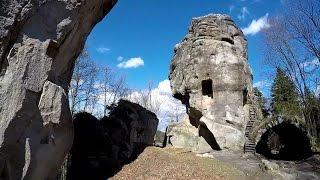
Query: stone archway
[[284, 141], [39, 42]]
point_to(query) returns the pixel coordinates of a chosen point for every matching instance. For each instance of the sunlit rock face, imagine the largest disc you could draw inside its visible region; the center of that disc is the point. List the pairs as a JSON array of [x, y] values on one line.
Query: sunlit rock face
[[39, 42], [210, 74], [183, 135]]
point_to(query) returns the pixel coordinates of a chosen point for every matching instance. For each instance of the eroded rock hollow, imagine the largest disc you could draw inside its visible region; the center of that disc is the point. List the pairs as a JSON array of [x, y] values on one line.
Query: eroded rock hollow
[[39, 42], [210, 74]]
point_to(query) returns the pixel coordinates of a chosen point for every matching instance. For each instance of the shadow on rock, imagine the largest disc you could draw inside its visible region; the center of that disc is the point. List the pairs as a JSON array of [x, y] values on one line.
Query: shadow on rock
[[101, 148]]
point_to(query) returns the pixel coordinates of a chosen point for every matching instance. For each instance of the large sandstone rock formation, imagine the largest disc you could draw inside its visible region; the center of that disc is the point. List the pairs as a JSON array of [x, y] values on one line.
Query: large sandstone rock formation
[[131, 127], [102, 147], [210, 74], [39, 42], [184, 135]]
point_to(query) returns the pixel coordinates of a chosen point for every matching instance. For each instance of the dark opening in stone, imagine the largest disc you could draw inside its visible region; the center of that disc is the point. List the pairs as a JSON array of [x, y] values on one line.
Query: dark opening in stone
[[228, 40], [245, 96], [207, 89], [208, 136], [284, 142]]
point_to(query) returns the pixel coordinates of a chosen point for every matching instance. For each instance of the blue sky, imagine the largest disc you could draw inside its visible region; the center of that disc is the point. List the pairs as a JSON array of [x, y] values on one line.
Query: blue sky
[[145, 32]]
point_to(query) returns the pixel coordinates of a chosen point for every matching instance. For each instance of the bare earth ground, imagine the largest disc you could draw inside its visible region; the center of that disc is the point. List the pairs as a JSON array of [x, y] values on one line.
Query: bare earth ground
[[249, 164], [171, 163]]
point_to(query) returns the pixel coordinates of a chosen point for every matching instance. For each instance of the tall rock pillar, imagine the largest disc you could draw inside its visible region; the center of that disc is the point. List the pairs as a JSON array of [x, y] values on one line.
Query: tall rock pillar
[[210, 74]]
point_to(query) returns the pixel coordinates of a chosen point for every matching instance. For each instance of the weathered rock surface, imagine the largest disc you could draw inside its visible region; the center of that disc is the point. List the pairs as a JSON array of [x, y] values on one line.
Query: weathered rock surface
[[269, 166], [102, 147], [184, 135], [210, 74], [160, 139], [39, 42]]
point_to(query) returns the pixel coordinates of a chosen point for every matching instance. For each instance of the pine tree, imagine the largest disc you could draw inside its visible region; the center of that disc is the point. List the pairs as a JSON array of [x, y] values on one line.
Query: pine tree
[[261, 101], [259, 96], [285, 101]]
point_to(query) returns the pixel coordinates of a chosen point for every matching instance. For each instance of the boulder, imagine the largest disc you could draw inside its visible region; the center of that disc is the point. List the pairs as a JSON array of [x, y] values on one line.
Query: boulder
[[102, 147], [184, 135], [39, 42], [269, 166], [211, 76], [91, 154], [137, 124]]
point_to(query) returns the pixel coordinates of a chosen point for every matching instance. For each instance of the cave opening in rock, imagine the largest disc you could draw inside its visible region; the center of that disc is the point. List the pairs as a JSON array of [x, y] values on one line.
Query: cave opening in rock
[[208, 136], [245, 96], [228, 40], [284, 141], [207, 89]]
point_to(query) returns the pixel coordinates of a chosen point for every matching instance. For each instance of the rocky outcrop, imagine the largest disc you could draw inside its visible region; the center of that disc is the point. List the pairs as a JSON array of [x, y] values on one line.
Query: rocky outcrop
[[210, 74], [102, 147], [184, 135], [39, 42], [131, 127]]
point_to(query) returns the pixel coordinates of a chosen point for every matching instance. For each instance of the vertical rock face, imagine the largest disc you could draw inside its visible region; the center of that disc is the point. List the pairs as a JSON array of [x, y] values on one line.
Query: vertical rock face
[[39, 42], [210, 74]]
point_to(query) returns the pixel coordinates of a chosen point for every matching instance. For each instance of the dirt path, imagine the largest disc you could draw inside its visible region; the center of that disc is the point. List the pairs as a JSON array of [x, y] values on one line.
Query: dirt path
[[170, 163]]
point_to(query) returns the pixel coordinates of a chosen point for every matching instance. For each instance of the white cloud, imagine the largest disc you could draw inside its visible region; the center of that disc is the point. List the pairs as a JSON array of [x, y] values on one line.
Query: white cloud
[[311, 64], [166, 107], [170, 109], [243, 13], [262, 84], [164, 86], [257, 25], [131, 63], [120, 58], [103, 49]]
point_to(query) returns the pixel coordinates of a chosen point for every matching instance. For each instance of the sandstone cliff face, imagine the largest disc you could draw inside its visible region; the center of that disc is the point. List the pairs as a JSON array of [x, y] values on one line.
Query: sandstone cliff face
[[210, 74], [39, 42]]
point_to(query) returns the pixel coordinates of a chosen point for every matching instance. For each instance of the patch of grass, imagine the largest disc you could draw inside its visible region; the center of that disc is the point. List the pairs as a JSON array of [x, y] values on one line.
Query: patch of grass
[[172, 163]]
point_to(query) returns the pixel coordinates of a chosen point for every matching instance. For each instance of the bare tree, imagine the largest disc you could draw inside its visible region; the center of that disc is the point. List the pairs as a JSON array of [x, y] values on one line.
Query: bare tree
[[77, 80], [147, 98], [303, 20], [293, 44], [119, 89], [82, 86], [107, 78], [90, 88]]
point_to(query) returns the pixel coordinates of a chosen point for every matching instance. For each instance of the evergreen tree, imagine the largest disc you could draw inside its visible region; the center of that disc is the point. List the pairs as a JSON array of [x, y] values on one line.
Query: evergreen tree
[[312, 114], [285, 101], [259, 96], [261, 101]]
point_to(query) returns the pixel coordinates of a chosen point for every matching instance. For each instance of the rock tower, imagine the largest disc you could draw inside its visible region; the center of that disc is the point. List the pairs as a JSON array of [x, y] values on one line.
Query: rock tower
[[210, 74]]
